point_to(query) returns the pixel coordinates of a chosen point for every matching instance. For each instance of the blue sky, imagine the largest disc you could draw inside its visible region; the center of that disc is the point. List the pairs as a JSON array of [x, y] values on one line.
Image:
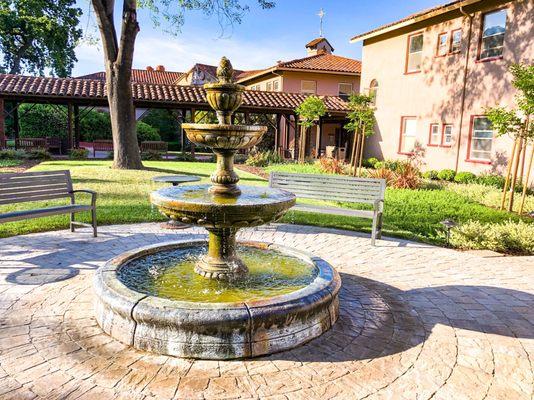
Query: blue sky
[[264, 37]]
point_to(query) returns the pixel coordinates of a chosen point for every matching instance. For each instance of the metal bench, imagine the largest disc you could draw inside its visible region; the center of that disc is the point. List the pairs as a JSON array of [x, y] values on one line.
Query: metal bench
[[336, 188], [45, 185], [155, 146]]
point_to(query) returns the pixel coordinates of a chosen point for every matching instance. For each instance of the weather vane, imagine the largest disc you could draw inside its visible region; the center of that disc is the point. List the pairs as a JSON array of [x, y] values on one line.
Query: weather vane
[[321, 14]]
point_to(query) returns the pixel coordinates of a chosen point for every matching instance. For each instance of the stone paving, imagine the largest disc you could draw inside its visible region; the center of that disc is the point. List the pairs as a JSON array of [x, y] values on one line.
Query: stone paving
[[416, 322]]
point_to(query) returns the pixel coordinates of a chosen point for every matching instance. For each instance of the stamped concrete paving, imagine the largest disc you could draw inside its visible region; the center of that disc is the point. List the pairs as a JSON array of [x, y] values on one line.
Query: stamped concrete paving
[[417, 322]]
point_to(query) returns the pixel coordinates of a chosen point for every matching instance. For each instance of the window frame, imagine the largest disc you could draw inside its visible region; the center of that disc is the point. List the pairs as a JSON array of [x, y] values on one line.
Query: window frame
[[269, 86], [470, 142], [339, 89], [432, 124], [308, 92], [459, 43], [402, 133], [480, 38], [443, 127], [406, 72], [373, 91], [447, 44], [276, 83]]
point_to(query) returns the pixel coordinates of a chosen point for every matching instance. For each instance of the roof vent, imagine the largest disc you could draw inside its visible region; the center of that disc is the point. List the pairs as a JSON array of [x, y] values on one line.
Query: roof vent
[[149, 68], [160, 68]]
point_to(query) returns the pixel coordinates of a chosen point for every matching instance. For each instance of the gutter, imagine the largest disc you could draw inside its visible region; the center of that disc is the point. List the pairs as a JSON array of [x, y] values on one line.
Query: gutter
[[464, 86]]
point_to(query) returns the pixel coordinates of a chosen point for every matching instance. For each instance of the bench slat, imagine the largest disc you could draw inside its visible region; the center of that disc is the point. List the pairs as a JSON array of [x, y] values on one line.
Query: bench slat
[[311, 177], [333, 210], [33, 191], [18, 187], [338, 189], [27, 214], [32, 198], [18, 175]]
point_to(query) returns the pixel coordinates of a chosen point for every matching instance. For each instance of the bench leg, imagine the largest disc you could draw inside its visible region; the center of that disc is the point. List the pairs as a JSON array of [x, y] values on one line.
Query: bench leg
[[72, 222], [93, 221], [373, 229], [379, 227]]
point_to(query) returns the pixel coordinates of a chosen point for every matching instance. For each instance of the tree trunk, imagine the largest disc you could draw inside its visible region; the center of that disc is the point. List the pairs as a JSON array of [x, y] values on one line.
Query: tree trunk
[[118, 57]]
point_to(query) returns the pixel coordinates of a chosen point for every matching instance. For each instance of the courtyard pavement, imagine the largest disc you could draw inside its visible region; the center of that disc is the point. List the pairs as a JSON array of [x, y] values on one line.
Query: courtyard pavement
[[416, 322]]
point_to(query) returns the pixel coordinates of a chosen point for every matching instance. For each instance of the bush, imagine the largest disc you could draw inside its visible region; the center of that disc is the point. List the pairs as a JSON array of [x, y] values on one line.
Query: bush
[[263, 158], [432, 175], [6, 163], [12, 154], [446, 175], [240, 158], [383, 173], [165, 122], [465, 177], [508, 237], [42, 120], [370, 162], [38, 155], [392, 165], [146, 132], [78, 154], [151, 155], [330, 165], [95, 125], [491, 180], [408, 176]]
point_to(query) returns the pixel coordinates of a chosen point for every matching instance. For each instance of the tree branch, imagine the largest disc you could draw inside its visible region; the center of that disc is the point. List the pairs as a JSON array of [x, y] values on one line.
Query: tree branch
[[104, 16], [129, 30]]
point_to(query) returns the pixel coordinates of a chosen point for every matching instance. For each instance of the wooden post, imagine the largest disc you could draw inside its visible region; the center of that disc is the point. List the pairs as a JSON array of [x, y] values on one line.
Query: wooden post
[[16, 122], [296, 140], [3, 141], [318, 138], [193, 120], [288, 127], [507, 177], [514, 173], [527, 178], [70, 127], [76, 127], [276, 132], [361, 152]]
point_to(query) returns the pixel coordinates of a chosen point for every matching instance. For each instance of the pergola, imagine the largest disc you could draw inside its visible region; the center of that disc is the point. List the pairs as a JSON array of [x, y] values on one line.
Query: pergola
[[78, 94]]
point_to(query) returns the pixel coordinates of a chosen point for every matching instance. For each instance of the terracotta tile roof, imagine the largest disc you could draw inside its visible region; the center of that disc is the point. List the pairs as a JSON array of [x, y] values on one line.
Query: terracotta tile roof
[[418, 16], [207, 69], [142, 76], [325, 62], [94, 89]]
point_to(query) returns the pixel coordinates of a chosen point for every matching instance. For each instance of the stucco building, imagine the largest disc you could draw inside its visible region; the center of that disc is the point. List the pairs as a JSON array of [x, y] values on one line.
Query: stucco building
[[435, 72]]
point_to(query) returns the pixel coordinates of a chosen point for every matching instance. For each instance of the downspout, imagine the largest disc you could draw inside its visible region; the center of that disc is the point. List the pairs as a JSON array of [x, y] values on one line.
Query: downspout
[[464, 86]]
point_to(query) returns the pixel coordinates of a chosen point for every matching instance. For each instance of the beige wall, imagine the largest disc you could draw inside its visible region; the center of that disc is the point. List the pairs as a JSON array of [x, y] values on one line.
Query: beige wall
[[434, 95]]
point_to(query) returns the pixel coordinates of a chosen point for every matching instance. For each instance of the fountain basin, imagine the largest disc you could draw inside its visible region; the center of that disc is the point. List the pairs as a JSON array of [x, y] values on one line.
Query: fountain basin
[[215, 330]]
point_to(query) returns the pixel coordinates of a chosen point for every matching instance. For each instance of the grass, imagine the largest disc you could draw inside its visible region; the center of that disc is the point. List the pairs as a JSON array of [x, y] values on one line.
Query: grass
[[124, 198], [6, 163]]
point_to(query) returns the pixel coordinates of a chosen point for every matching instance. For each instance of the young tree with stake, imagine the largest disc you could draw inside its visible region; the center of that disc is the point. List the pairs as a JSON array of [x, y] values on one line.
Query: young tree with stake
[[309, 112], [361, 122]]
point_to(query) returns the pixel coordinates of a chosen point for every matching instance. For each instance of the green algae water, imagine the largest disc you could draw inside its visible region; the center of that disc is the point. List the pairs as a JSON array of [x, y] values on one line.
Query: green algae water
[[170, 274]]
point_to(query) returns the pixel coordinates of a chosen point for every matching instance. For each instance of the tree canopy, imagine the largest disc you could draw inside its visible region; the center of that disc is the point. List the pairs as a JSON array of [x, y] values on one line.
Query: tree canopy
[[39, 34], [361, 114], [310, 110]]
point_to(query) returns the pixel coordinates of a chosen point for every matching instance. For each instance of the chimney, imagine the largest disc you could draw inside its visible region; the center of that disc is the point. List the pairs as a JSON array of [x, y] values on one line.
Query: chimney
[[149, 68], [160, 68]]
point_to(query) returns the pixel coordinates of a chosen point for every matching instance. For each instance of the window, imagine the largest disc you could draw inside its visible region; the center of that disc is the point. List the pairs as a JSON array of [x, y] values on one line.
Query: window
[[481, 139], [276, 86], [415, 53], [345, 89], [456, 40], [443, 44], [408, 133], [435, 136], [308, 87], [373, 90], [446, 139], [493, 30], [269, 86]]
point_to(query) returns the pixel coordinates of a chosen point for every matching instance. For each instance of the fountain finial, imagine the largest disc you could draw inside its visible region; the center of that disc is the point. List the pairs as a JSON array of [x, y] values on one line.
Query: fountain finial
[[225, 71]]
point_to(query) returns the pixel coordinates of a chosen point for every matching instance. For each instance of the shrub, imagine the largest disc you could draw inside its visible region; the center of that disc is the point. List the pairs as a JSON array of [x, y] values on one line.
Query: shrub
[[185, 157], [146, 132], [446, 175], [240, 158], [12, 154], [370, 162], [431, 174], [151, 155], [39, 154], [42, 120], [491, 180], [508, 237], [95, 125], [330, 165], [166, 123], [263, 158], [389, 164], [78, 154], [6, 163], [383, 173], [408, 176], [465, 177]]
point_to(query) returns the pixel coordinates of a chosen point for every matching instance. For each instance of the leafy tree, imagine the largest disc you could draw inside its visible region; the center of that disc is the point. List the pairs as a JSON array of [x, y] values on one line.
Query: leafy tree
[[361, 122], [309, 112], [119, 50], [39, 34], [519, 125]]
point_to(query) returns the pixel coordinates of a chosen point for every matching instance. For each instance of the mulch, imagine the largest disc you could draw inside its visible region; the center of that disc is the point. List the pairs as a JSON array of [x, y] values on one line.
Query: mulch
[[259, 171]]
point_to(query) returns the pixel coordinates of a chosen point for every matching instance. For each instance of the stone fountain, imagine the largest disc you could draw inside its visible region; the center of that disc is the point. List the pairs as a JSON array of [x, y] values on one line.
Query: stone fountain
[[229, 300]]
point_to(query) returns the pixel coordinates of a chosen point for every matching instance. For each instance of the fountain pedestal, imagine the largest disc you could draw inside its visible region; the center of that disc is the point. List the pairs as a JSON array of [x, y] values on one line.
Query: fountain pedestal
[[221, 262]]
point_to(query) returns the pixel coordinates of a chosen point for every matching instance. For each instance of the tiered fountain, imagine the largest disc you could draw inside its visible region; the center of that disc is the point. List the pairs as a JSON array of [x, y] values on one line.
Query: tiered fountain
[[234, 300]]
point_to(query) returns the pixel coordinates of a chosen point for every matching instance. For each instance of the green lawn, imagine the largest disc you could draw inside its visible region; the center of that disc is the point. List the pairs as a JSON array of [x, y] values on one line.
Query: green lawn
[[123, 198]]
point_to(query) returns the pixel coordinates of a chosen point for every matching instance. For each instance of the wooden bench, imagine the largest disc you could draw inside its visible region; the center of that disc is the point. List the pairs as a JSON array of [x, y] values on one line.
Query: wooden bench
[[45, 185], [336, 188], [102, 145], [31, 144], [155, 146]]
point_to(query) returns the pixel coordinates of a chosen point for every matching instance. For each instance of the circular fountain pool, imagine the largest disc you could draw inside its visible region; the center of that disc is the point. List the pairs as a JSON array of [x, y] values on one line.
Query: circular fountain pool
[[151, 298]]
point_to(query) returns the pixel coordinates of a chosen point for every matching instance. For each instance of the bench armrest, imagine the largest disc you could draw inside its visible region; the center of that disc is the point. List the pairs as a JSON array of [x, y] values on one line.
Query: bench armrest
[[92, 193], [379, 205]]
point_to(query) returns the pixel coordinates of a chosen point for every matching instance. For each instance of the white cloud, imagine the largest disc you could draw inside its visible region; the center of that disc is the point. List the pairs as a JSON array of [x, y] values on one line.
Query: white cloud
[[180, 53]]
